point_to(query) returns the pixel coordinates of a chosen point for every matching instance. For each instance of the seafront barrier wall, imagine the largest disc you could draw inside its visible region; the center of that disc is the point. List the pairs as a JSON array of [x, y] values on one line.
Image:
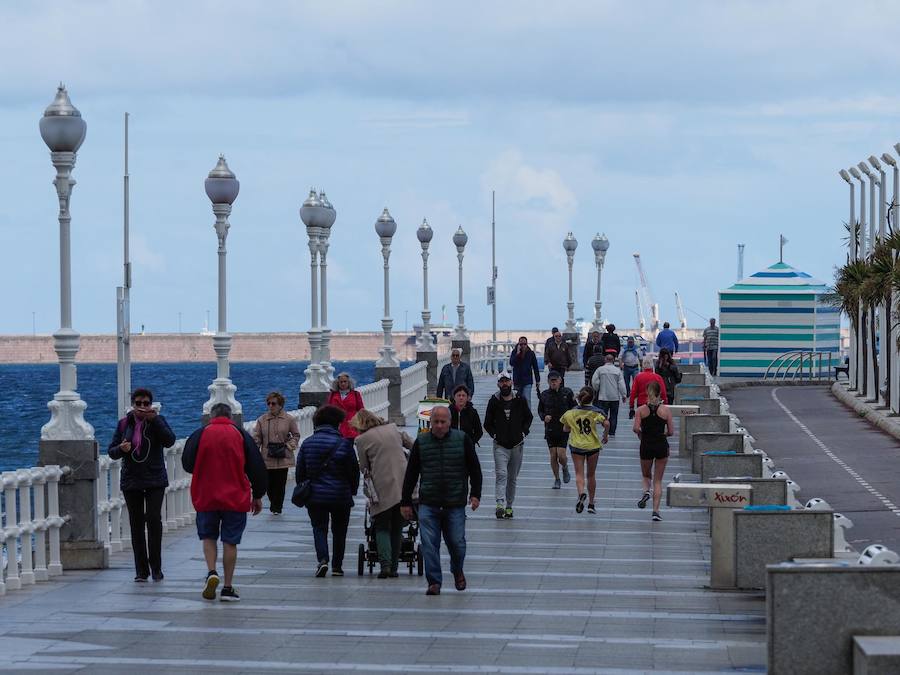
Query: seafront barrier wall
[[246, 347]]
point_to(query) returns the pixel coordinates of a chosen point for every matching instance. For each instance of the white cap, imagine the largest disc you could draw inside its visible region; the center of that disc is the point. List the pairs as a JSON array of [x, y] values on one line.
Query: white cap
[[503, 375]]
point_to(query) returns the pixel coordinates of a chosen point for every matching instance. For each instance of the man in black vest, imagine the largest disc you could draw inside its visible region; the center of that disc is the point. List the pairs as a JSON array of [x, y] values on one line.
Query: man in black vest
[[445, 462]]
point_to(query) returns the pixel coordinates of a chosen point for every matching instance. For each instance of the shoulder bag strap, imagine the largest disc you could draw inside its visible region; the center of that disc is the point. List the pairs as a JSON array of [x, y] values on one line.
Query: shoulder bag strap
[[327, 460]]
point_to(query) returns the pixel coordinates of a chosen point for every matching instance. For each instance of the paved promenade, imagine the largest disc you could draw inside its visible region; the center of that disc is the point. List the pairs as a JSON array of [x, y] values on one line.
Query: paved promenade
[[835, 454], [549, 592]]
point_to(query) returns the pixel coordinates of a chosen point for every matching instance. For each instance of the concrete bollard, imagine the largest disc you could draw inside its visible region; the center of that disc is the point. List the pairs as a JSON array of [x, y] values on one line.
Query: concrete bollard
[[768, 536], [690, 368], [693, 391], [721, 500], [814, 611], [766, 491], [693, 378], [697, 424], [729, 464], [876, 654], [709, 441]]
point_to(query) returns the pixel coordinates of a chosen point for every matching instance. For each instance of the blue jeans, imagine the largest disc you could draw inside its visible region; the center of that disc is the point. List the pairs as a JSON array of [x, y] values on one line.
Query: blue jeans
[[451, 521], [525, 392], [611, 411], [629, 373], [319, 515]]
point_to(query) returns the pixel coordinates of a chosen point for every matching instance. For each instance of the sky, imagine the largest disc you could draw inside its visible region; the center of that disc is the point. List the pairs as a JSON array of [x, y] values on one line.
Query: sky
[[677, 129]]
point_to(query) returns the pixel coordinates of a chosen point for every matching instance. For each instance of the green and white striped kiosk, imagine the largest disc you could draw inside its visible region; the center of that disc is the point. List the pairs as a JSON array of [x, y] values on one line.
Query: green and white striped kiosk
[[775, 311]]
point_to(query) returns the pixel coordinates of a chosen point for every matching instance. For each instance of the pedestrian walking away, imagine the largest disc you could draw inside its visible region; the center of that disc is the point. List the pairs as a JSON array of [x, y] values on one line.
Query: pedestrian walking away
[[343, 395], [666, 339], [711, 347], [597, 360], [609, 385], [556, 354], [276, 434], [631, 363], [464, 416], [552, 403], [328, 460], [507, 420], [668, 371], [382, 460], [610, 341], [639, 386], [138, 441], [229, 479], [525, 372], [591, 347], [444, 464], [585, 444], [454, 374], [653, 426]]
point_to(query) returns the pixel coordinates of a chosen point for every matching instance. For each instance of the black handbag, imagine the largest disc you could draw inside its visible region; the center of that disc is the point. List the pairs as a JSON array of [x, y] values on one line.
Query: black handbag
[[303, 489], [276, 450]]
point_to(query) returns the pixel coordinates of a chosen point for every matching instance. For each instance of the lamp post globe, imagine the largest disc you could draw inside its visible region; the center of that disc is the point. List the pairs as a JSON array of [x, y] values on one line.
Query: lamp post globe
[[570, 243], [424, 234], [222, 188], [600, 244], [460, 239], [385, 228], [63, 130]]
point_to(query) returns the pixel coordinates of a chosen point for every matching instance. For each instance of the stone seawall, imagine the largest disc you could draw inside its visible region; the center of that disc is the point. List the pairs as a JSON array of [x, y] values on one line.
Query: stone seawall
[[170, 348]]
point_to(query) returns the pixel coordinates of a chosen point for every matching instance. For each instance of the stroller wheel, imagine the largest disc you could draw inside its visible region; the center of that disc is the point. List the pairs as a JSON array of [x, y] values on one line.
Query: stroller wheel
[[420, 561], [362, 560]]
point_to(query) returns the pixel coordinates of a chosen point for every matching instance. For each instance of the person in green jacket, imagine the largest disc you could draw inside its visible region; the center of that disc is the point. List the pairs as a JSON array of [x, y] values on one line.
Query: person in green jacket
[[444, 463]]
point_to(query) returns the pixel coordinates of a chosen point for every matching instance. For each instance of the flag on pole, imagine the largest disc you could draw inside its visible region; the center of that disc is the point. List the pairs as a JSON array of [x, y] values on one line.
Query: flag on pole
[[782, 240]]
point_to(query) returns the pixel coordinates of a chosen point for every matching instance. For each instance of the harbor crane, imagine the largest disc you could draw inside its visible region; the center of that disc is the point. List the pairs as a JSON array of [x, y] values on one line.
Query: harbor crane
[[652, 308], [642, 323]]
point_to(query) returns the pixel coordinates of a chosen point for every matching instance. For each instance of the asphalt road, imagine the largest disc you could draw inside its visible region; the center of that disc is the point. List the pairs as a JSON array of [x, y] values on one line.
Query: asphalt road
[[854, 466]]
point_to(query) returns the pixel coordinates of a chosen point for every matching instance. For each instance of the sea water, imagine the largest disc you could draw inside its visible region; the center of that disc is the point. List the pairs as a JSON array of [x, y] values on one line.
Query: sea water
[[181, 388]]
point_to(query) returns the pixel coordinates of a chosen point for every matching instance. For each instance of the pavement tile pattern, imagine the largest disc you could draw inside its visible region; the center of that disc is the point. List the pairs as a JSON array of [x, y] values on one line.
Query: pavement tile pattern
[[549, 591]]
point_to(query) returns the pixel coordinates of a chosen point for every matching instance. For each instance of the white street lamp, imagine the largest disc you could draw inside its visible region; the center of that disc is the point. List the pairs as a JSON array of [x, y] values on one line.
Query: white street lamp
[[424, 235], [460, 239], [385, 227], [328, 217], [310, 215], [871, 385], [569, 246], [600, 244], [63, 130], [882, 310], [854, 251], [222, 189], [861, 255]]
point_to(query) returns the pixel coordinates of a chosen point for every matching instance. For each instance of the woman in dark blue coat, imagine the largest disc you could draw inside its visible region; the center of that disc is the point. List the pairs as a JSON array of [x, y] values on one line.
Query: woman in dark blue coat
[[139, 442], [329, 461]]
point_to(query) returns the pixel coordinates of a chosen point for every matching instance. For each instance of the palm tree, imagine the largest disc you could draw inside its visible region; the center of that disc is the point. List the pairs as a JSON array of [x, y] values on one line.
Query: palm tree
[[847, 295]]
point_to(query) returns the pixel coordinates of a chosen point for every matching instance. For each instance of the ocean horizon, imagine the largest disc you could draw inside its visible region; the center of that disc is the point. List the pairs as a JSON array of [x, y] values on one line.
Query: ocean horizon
[[181, 389]]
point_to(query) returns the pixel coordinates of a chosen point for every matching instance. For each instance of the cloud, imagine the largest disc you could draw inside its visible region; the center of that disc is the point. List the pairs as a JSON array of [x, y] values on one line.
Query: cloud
[[539, 194], [145, 255]]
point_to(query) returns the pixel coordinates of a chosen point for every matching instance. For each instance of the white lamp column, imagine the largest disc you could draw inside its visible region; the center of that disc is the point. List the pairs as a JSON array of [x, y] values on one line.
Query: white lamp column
[[222, 189], [861, 254], [883, 327], [572, 337], [600, 244], [385, 227], [313, 391], [871, 381], [854, 240], [460, 239], [328, 217], [425, 349]]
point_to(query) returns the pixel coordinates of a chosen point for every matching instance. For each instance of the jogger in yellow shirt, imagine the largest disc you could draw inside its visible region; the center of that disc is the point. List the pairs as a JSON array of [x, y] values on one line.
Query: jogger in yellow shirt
[[585, 444]]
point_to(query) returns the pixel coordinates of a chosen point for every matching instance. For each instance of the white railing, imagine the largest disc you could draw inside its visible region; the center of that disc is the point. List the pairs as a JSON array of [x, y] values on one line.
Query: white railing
[[801, 365], [30, 526], [375, 397], [413, 387], [490, 358]]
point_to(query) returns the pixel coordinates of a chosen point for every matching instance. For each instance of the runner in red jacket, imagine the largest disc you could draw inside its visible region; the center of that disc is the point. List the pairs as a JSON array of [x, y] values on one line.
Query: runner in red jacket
[[639, 386], [229, 479]]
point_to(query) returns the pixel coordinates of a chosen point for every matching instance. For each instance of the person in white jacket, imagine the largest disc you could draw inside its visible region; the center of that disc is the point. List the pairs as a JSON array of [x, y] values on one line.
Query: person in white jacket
[[609, 383]]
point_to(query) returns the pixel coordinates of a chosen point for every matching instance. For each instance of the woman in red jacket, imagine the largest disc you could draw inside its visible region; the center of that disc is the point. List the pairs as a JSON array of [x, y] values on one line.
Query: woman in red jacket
[[639, 386], [344, 396]]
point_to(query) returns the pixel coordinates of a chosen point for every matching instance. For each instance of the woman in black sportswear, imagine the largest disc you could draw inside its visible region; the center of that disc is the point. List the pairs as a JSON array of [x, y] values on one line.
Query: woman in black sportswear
[[653, 426]]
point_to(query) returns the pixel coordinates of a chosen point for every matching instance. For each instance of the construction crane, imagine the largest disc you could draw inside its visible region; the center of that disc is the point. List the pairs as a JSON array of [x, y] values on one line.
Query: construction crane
[[640, 310], [682, 319], [652, 308]]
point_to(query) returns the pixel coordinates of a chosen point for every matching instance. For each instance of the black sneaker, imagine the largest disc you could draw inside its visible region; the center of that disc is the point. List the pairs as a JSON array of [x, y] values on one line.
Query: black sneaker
[[592, 508], [579, 507], [210, 585], [384, 573], [337, 572], [656, 516], [642, 503], [140, 579], [322, 570], [500, 512], [158, 575], [508, 513], [228, 594]]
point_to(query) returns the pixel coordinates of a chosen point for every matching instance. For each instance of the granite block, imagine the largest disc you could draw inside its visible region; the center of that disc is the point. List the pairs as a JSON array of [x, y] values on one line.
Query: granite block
[[712, 440], [730, 466]]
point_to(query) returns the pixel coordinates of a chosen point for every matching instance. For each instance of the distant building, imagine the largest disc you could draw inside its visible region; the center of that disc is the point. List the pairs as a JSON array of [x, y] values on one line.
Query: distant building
[[777, 310]]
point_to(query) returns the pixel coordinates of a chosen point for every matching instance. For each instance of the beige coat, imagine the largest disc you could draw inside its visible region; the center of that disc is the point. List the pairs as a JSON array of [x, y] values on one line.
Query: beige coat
[[380, 451], [280, 428]]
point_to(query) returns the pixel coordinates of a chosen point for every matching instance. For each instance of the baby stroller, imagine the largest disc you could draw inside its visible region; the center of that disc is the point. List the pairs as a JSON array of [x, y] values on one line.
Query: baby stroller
[[410, 551]]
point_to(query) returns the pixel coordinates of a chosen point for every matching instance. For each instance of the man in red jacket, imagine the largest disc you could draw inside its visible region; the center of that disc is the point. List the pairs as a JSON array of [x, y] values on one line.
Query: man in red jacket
[[639, 386], [227, 468]]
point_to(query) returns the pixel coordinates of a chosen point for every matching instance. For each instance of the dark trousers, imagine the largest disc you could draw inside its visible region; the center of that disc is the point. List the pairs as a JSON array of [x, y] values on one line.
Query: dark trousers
[[319, 515], [611, 411], [388, 529], [629, 373], [145, 519], [275, 489], [712, 361]]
